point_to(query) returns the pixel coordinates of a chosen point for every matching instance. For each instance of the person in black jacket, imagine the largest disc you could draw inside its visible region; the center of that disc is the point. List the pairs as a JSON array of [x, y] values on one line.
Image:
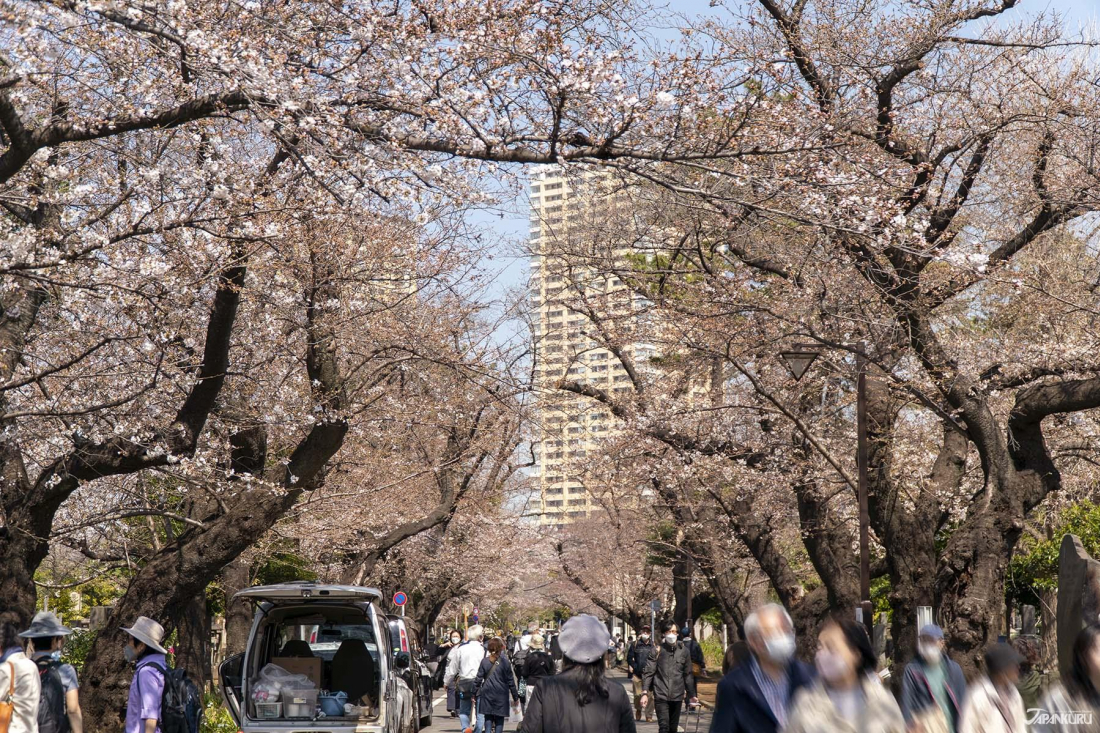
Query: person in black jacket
[[580, 699], [494, 682], [636, 658], [668, 676], [537, 664]]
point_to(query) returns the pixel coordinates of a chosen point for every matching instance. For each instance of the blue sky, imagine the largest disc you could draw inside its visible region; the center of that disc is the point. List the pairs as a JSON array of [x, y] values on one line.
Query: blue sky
[[509, 222]]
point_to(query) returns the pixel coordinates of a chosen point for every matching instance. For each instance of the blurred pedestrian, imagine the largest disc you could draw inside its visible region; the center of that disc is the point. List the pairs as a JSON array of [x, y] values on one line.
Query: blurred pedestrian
[[1074, 705], [698, 661], [19, 685], [755, 696], [933, 688], [736, 653], [636, 659], [580, 699], [668, 678], [1034, 680], [993, 704], [59, 704], [848, 696]]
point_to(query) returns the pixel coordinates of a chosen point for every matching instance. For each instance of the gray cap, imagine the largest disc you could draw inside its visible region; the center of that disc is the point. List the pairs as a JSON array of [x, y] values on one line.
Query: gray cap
[[584, 638], [45, 625]]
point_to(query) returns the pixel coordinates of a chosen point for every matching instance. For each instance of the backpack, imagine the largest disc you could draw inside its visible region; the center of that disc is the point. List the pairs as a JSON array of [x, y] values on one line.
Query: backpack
[[52, 716], [181, 707], [519, 659]]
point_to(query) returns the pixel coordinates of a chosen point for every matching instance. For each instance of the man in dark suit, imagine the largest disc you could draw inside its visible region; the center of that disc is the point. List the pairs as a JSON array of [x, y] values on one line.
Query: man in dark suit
[[756, 695]]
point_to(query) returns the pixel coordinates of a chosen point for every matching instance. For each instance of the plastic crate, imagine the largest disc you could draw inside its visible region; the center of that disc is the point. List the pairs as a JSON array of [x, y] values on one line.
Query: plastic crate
[[300, 703], [269, 710]]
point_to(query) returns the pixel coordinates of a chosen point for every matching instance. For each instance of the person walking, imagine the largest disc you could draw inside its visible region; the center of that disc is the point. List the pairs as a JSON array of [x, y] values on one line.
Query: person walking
[[555, 651], [848, 696], [1074, 705], [755, 695], [59, 705], [1034, 680], [933, 688], [636, 658], [462, 668], [19, 682], [580, 699], [144, 650], [495, 681], [668, 677], [993, 704], [698, 661], [536, 666], [454, 638]]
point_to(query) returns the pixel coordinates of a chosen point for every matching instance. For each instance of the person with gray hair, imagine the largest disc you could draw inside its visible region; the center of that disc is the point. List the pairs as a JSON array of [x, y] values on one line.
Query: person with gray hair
[[462, 667], [754, 696]]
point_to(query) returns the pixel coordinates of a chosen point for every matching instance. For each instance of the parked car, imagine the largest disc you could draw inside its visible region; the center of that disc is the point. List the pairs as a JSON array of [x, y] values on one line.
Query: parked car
[[335, 635], [405, 634]]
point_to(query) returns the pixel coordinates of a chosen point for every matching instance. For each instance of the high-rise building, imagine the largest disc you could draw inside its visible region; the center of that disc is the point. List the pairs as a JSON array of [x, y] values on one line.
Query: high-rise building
[[569, 284]]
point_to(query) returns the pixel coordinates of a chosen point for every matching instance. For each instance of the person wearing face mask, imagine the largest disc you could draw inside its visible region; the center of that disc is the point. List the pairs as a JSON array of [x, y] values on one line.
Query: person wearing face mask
[[144, 650], [993, 704], [636, 658], [848, 697], [59, 705], [1073, 705], [933, 688], [452, 640], [668, 676], [755, 695]]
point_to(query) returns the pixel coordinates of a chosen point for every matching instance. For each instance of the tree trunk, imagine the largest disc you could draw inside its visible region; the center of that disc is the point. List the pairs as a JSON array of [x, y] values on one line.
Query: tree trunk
[[238, 614], [1048, 635], [193, 640], [681, 588]]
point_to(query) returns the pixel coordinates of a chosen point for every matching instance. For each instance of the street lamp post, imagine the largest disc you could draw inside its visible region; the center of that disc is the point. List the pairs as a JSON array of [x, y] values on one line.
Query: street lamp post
[[798, 361]]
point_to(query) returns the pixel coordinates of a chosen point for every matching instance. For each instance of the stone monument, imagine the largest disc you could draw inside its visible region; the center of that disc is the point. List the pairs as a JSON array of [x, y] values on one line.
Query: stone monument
[[1078, 597]]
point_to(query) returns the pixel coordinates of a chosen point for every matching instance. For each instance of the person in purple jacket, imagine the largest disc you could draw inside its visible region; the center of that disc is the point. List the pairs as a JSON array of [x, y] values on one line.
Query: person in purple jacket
[[145, 651]]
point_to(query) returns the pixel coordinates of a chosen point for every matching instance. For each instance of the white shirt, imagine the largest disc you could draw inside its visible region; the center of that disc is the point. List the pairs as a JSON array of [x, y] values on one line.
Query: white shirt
[[523, 643], [464, 662], [27, 691]]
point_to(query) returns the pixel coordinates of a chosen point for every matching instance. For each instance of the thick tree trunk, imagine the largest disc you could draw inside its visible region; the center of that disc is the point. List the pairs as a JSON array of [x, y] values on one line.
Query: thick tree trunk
[[238, 614], [193, 640]]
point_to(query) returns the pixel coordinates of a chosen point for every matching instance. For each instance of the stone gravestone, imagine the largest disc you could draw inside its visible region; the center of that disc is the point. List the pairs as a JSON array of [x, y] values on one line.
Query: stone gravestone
[[880, 637], [1027, 620], [1078, 597], [97, 617]]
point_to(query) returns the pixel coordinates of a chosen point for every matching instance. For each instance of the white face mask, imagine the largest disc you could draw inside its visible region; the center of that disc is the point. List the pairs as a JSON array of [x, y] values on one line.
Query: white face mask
[[930, 653], [832, 666], [645, 637], [780, 649], [455, 639], [671, 638]]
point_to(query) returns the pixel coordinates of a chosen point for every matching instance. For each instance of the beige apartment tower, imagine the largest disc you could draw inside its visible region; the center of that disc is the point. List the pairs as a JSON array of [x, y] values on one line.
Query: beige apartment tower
[[566, 290]]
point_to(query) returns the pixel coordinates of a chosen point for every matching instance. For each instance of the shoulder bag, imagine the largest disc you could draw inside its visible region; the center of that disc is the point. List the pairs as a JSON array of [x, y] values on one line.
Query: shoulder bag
[[7, 705]]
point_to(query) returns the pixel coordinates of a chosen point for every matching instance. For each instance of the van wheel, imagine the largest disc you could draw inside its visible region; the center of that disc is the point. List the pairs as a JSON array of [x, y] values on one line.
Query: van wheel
[[426, 722]]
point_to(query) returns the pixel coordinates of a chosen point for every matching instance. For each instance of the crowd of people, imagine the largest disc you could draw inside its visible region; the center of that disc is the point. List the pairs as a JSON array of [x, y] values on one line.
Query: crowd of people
[[766, 689], [557, 682]]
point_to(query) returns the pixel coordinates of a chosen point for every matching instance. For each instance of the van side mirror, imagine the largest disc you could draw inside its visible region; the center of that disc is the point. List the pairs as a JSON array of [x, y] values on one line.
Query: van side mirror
[[401, 660]]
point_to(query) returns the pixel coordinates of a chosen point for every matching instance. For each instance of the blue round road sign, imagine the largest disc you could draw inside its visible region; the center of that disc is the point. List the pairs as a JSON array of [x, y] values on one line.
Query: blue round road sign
[[399, 599]]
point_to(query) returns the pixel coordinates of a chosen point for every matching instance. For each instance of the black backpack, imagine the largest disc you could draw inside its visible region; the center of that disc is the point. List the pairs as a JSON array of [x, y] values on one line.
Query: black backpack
[[52, 717], [181, 702]]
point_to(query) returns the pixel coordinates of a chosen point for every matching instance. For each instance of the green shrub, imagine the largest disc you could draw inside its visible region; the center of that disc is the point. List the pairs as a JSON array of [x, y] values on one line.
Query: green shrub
[[77, 647], [713, 652], [217, 719]]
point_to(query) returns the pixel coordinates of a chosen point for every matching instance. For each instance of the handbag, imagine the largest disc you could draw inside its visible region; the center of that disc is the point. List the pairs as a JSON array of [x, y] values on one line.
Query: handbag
[[7, 706]]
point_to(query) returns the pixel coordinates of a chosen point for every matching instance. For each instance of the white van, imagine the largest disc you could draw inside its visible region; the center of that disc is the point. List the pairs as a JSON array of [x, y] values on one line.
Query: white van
[[335, 635]]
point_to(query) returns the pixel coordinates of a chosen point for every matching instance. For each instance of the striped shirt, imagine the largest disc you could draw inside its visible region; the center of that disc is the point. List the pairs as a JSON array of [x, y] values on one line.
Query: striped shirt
[[776, 691]]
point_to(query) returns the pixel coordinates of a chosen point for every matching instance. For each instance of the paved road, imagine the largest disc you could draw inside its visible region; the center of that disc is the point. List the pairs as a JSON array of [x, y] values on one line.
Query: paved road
[[693, 723]]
